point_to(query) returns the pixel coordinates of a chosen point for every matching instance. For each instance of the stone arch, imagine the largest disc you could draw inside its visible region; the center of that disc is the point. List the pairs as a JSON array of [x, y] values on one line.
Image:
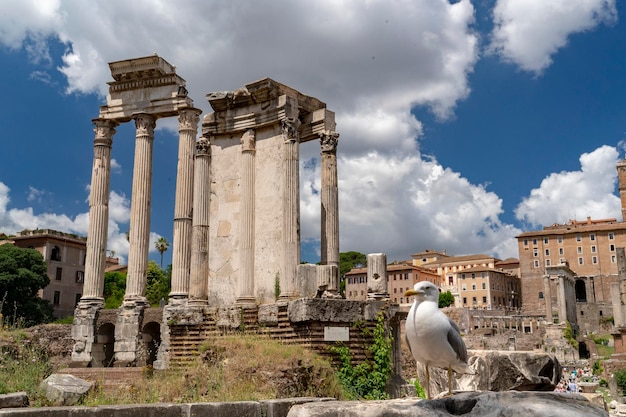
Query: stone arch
[[151, 335], [581, 291], [103, 349]]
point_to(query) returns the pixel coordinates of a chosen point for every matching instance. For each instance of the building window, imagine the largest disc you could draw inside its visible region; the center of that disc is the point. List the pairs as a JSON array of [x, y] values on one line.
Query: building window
[[473, 275], [546, 240], [593, 249], [561, 251], [80, 276], [578, 238], [535, 242], [547, 252], [406, 275], [547, 262], [525, 242], [540, 295], [579, 249], [484, 300], [612, 247], [473, 287], [401, 300], [580, 261], [462, 276], [57, 298], [56, 254], [613, 259], [395, 290], [535, 252], [450, 280], [594, 259], [464, 287], [536, 263], [611, 236], [59, 274], [473, 300], [559, 239], [592, 237], [484, 286]]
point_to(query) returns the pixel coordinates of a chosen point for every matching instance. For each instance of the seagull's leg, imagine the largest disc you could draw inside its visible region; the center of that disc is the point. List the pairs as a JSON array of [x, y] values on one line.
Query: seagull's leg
[[427, 383], [449, 380]]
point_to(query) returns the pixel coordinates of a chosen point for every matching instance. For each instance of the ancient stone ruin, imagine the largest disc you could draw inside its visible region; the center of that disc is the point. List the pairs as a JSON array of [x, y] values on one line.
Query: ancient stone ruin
[[236, 242]]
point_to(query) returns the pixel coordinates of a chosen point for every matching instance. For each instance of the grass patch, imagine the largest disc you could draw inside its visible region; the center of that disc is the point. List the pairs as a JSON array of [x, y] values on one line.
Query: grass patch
[[233, 368]]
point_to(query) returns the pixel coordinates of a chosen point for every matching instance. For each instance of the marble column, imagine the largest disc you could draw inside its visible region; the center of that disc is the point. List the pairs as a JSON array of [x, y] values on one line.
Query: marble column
[[330, 200], [141, 202], [95, 260], [181, 257], [199, 274], [246, 231], [561, 299], [547, 296], [291, 206]]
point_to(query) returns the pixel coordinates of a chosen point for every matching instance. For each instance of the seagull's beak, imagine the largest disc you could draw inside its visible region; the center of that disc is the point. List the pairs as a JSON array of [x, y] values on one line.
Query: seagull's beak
[[411, 292]]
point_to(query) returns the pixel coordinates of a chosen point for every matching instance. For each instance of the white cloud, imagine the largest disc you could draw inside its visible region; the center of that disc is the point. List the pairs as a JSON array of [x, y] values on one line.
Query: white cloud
[[529, 32], [34, 194], [569, 195], [115, 166]]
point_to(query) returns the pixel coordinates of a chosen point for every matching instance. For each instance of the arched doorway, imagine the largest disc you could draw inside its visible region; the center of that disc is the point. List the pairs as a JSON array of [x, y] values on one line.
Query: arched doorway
[[581, 291], [152, 339], [104, 348]]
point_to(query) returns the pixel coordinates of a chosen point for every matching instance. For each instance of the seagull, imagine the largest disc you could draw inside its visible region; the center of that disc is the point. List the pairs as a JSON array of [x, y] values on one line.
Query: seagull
[[434, 339]]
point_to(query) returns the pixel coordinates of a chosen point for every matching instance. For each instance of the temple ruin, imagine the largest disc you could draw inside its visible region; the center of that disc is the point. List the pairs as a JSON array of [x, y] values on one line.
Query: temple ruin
[[236, 242]]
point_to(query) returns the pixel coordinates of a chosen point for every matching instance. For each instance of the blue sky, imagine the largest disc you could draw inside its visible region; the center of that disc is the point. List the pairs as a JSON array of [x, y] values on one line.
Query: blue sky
[[462, 123]]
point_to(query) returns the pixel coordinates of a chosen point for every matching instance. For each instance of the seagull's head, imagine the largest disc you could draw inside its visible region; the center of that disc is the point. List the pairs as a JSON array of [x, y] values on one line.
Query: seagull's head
[[424, 291]]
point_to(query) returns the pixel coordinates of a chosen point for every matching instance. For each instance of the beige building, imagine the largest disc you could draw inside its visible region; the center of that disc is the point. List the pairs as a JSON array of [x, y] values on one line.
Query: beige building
[[588, 248], [459, 275], [64, 254], [400, 277]]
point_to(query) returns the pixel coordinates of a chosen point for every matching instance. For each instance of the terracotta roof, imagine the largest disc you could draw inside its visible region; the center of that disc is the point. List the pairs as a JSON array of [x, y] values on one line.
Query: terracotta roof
[[572, 228], [459, 259]]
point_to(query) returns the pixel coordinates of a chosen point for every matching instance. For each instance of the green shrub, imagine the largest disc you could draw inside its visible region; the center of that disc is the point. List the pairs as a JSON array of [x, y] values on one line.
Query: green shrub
[[620, 380]]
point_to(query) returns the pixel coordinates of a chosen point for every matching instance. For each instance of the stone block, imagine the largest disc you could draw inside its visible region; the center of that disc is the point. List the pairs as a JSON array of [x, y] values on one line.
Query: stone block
[[65, 389], [268, 315], [226, 409], [306, 280], [14, 400], [280, 407]]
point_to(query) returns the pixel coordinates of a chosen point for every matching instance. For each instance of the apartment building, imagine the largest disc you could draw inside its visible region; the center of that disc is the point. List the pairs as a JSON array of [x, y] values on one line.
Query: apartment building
[[587, 247], [64, 254], [400, 277]]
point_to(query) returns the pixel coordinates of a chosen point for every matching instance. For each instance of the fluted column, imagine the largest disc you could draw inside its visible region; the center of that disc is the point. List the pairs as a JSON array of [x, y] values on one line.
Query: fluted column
[[199, 274], [548, 298], [181, 258], [141, 201], [330, 200], [561, 299], [291, 206], [95, 261], [246, 245]]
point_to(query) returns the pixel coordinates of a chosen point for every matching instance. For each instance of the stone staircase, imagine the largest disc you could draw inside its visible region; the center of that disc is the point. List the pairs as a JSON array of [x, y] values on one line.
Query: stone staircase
[[107, 379]]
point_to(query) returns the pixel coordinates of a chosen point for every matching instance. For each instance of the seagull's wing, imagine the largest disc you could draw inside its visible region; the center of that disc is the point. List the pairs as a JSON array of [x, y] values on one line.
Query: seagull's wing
[[456, 341]]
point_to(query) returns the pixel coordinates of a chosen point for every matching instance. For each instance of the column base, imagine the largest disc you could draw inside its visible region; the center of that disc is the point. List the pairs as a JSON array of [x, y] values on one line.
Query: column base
[[246, 301], [129, 347]]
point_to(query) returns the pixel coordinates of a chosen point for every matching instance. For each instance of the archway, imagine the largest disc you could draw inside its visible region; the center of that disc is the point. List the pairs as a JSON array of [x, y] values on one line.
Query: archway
[[581, 291], [151, 336], [104, 348]]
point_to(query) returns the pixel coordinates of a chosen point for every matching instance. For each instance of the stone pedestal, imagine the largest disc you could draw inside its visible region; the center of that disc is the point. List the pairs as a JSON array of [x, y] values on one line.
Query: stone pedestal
[[84, 332], [128, 341]]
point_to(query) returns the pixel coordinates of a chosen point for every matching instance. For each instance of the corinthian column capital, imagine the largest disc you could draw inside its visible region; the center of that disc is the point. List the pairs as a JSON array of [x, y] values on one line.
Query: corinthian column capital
[[145, 124], [104, 130], [290, 127], [188, 119], [329, 141], [203, 146]]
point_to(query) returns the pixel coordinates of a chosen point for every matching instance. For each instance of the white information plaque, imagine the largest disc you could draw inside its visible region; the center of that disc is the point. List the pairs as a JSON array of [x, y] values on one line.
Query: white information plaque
[[336, 334]]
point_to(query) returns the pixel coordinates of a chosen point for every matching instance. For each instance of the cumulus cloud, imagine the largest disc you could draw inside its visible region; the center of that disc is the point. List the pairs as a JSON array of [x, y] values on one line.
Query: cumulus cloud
[[570, 195], [529, 32]]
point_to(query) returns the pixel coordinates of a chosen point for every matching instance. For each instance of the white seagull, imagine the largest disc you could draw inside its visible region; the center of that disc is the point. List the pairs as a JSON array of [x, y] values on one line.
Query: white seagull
[[434, 339]]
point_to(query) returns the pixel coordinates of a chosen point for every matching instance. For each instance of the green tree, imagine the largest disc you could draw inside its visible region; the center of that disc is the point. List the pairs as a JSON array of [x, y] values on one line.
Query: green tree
[[161, 245], [23, 272], [445, 299], [158, 284], [347, 261], [114, 288]]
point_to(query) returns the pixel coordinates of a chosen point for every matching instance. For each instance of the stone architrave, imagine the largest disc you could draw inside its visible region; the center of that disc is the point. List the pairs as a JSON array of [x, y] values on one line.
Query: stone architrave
[[181, 259], [141, 202], [329, 200], [246, 231], [291, 205], [377, 275]]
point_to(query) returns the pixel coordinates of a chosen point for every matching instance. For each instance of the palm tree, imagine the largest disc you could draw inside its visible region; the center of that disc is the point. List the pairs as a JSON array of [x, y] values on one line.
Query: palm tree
[[161, 245]]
